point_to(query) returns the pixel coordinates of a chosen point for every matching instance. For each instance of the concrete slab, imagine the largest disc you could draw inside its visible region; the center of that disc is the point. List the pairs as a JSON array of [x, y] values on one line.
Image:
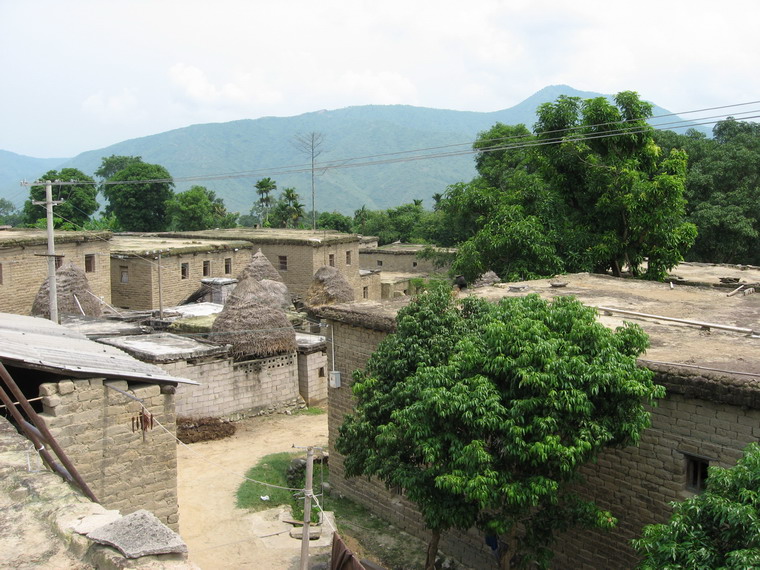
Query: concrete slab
[[139, 534]]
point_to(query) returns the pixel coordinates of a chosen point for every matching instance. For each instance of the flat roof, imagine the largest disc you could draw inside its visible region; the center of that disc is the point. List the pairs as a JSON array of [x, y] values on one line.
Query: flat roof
[[694, 343], [273, 236], [165, 347], [40, 344], [15, 237], [151, 244]]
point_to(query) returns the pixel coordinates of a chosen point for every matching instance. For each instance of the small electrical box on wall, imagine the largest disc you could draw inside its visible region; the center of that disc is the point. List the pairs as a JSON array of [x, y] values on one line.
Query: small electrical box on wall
[[335, 379]]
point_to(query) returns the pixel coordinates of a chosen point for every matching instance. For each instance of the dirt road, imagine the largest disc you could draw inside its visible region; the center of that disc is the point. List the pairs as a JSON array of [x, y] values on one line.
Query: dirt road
[[218, 534]]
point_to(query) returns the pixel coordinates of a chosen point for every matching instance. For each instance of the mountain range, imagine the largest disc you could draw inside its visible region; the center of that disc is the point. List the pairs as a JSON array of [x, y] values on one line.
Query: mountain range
[[378, 156]]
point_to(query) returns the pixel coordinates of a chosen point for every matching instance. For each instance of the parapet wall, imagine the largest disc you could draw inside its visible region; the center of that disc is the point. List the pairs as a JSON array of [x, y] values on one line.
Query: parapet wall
[[125, 467]]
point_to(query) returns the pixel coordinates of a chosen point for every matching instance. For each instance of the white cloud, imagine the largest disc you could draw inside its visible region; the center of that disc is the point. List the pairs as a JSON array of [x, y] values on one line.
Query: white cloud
[[113, 108]]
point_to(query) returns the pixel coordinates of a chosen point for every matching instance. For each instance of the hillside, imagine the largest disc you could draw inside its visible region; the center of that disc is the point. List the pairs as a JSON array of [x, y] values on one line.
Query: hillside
[[238, 153]]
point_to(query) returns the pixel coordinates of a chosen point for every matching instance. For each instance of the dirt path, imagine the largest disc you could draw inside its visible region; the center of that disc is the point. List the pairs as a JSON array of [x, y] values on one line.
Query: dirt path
[[218, 534]]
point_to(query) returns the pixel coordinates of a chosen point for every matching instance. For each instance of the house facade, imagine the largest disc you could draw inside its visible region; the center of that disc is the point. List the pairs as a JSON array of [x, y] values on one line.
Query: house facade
[[24, 267], [710, 413]]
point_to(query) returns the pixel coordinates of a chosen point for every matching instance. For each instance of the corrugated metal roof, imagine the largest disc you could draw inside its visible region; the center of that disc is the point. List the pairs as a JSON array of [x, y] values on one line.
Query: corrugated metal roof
[[32, 342]]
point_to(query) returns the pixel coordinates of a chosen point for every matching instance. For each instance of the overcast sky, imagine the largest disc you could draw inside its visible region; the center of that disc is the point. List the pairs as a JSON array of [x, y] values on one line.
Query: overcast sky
[[79, 75]]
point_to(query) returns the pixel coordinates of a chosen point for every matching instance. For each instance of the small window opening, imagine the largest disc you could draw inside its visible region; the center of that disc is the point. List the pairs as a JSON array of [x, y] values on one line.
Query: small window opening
[[321, 371], [185, 270], [123, 274], [283, 261], [331, 259], [348, 258], [58, 261], [379, 262], [414, 264], [227, 265], [206, 268], [696, 473], [89, 263], [365, 292]]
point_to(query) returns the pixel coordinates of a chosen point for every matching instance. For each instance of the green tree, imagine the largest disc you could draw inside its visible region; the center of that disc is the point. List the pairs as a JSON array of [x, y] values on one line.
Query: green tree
[[110, 165], [264, 188], [590, 182], [719, 528], [199, 209], [484, 412], [335, 221], [138, 197], [78, 199], [9, 214], [288, 211]]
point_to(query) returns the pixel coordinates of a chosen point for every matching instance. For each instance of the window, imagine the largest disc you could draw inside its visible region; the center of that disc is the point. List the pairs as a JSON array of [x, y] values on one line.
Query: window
[[123, 274], [321, 371], [414, 264], [283, 261], [365, 293], [89, 263], [696, 473], [379, 262], [184, 270], [348, 258], [331, 260], [227, 265], [206, 268], [58, 261]]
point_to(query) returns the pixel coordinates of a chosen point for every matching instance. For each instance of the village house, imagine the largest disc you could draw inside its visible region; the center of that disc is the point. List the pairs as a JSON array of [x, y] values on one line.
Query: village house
[[112, 415], [151, 271], [704, 350], [24, 266]]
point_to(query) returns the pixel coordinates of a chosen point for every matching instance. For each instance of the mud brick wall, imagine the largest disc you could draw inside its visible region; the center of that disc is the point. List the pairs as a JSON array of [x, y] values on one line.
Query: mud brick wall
[[125, 469], [23, 270], [233, 390], [705, 415], [312, 377], [396, 260], [141, 291]]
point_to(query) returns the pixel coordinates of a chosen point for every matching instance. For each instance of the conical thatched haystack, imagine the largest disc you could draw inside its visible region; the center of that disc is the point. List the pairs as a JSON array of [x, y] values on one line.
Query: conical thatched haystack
[[328, 287], [73, 292], [488, 278], [253, 328], [259, 268], [276, 294]]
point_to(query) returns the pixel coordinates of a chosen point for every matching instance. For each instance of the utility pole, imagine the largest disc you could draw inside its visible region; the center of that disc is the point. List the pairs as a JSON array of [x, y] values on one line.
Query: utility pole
[[308, 491], [52, 285], [310, 145]]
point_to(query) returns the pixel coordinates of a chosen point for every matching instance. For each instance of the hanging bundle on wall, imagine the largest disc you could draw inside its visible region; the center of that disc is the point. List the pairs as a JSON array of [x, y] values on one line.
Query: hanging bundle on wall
[[142, 421]]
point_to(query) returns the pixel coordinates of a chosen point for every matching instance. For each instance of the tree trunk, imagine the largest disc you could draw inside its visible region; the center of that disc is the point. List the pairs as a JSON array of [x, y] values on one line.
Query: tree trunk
[[507, 549], [432, 550]]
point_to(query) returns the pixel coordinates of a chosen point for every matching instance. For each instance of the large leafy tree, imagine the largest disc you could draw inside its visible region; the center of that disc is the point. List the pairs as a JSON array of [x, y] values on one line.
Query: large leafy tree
[[288, 211], [138, 197], [199, 209], [484, 412], [9, 214], [78, 199], [719, 528], [589, 184], [110, 165], [723, 190]]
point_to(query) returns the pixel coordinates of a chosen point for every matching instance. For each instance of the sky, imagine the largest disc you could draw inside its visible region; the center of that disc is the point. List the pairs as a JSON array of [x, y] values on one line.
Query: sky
[[80, 75]]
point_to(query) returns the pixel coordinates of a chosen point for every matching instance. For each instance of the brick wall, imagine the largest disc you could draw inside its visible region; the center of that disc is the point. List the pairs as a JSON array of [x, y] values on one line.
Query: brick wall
[[233, 390], [23, 270], [396, 260], [141, 290], [125, 469], [704, 415], [312, 377]]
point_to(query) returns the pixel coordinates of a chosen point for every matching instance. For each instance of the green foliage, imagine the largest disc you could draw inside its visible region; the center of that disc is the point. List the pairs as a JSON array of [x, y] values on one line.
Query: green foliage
[[287, 212], [110, 165], [78, 200], [271, 469], [335, 221], [484, 412], [138, 197], [589, 191], [199, 209], [723, 190], [719, 528], [9, 214]]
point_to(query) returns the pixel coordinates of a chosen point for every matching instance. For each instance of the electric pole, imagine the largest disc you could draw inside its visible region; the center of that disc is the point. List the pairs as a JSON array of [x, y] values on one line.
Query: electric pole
[[52, 285], [308, 491]]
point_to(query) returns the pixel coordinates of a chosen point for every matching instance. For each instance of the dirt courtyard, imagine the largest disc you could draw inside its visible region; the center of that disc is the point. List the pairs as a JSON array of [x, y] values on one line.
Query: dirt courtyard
[[217, 533]]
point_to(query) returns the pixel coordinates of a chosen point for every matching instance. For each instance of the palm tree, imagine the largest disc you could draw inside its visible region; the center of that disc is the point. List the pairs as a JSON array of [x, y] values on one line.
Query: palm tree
[[264, 188]]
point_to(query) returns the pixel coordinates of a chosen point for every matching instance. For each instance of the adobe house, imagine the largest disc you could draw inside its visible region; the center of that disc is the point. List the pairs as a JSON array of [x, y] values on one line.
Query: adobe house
[[704, 350], [398, 257], [151, 270], [297, 254], [23, 264], [113, 416]]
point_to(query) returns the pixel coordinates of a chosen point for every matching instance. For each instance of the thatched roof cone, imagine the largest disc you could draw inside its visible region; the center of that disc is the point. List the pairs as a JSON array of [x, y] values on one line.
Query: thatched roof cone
[[254, 330], [328, 288], [259, 268], [265, 292], [75, 297]]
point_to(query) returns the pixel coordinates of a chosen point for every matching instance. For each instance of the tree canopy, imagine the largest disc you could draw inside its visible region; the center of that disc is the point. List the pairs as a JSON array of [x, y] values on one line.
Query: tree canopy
[[588, 190], [138, 197], [199, 209], [719, 528], [78, 201], [483, 413]]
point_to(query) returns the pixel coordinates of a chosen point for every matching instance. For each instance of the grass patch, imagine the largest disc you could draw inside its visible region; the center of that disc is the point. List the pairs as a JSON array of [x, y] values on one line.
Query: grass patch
[[271, 469], [314, 411]]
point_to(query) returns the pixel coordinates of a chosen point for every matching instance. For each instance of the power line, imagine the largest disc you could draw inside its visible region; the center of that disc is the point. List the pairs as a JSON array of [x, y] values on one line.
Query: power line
[[413, 155]]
